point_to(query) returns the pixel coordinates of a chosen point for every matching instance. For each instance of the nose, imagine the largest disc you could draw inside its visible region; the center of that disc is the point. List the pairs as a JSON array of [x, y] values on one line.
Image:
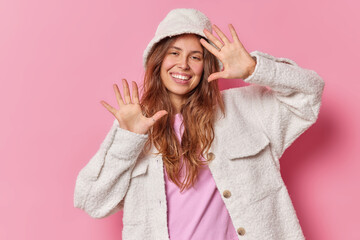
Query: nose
[[183, 63]]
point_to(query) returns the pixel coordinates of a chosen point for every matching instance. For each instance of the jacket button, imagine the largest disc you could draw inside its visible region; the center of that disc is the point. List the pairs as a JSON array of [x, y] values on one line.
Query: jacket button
[[226, 194], [241, 231], [211, 156]]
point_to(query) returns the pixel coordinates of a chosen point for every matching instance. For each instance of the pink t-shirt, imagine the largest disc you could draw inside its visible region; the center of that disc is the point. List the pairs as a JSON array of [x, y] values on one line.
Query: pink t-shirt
[[199, 212]]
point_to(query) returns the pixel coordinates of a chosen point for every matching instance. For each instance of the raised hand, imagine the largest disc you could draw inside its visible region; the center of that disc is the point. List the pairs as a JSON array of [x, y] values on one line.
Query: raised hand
[[129, 114], [237, 62]]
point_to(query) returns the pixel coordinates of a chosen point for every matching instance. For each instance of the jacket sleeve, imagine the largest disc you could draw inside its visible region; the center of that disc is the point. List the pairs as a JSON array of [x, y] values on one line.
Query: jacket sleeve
[[286, 98], [102, 184]]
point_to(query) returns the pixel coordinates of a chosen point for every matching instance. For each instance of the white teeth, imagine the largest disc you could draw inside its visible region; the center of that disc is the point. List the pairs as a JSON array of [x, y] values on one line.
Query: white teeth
[[180, 77]]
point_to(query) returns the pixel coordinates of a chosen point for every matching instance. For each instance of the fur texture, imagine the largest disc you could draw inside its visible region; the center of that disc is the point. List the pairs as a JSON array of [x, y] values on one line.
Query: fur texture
[[262, 120]]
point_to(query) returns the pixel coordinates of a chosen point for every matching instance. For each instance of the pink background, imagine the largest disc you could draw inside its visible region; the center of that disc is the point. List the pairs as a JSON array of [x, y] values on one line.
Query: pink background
[[58, 59]]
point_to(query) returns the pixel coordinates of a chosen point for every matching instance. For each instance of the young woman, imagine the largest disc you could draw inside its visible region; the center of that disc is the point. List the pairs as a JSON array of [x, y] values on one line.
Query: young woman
[[187, 161]]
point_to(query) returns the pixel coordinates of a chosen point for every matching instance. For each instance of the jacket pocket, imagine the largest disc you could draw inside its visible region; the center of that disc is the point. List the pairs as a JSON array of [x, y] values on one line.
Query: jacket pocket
[[250, 146], [251, 165]]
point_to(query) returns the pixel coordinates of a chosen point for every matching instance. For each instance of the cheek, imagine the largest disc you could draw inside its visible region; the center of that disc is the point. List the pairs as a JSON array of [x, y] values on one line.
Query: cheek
[[167, 64], [198, 69]]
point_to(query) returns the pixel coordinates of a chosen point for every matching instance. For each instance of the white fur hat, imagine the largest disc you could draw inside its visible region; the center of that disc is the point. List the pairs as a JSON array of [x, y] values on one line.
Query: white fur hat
[[179, 21]]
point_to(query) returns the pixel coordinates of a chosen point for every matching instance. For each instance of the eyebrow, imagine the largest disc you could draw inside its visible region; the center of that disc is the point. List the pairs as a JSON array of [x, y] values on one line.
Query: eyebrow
[[177, 48]]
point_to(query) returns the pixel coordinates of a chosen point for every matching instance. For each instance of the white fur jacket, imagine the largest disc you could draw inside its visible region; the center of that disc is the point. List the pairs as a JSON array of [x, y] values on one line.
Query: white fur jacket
[[262, 120]]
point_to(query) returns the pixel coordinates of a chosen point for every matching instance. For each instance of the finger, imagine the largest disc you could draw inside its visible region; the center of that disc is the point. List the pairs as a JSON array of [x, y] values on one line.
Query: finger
[[108, 107], [213, 39], [233, 33], [126, 92], [221, 34], [157, 116], [215, 76], [135, 93], [235, 36], [209, 47], [118, 95]]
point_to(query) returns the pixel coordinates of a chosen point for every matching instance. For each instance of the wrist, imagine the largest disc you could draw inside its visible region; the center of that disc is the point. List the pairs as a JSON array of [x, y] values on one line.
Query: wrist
[[251, 68]]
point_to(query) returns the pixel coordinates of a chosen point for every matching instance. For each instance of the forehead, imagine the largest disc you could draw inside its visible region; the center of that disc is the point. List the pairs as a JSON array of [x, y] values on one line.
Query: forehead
[[188, 42]]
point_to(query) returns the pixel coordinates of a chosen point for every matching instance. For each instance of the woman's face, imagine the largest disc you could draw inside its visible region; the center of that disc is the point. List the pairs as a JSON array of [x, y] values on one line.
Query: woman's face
[[182, 67]]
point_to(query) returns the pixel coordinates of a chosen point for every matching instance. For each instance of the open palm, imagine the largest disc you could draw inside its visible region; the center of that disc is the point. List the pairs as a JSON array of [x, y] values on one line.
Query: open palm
[[237, 62], [129, 114]]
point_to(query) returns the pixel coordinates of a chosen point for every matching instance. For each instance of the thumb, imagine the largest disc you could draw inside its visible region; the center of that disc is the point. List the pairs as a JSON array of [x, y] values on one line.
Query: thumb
[[157, 116], [215, 76]]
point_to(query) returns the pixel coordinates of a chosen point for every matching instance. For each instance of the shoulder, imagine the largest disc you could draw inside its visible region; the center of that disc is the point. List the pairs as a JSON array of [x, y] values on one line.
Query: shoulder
[[236, 97], [240, 104], [243, 105]]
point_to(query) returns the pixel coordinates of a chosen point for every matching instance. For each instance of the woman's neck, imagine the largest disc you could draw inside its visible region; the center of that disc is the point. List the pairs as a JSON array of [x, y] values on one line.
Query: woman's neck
[[176, 104]]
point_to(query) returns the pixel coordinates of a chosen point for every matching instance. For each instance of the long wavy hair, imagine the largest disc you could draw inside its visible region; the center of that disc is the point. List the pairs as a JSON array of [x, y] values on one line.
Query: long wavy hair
[[198, 114]]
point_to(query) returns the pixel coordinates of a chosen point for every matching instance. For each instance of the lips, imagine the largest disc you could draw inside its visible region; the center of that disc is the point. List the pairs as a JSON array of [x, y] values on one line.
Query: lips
[[181, 81], [180, 75]]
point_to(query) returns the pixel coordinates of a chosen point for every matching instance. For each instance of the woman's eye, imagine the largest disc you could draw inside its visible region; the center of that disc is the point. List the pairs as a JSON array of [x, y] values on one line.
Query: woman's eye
[[174, 53], [197, 58]]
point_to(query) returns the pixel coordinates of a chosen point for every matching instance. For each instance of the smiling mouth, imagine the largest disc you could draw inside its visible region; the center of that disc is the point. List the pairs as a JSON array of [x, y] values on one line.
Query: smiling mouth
[[180, 77]]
